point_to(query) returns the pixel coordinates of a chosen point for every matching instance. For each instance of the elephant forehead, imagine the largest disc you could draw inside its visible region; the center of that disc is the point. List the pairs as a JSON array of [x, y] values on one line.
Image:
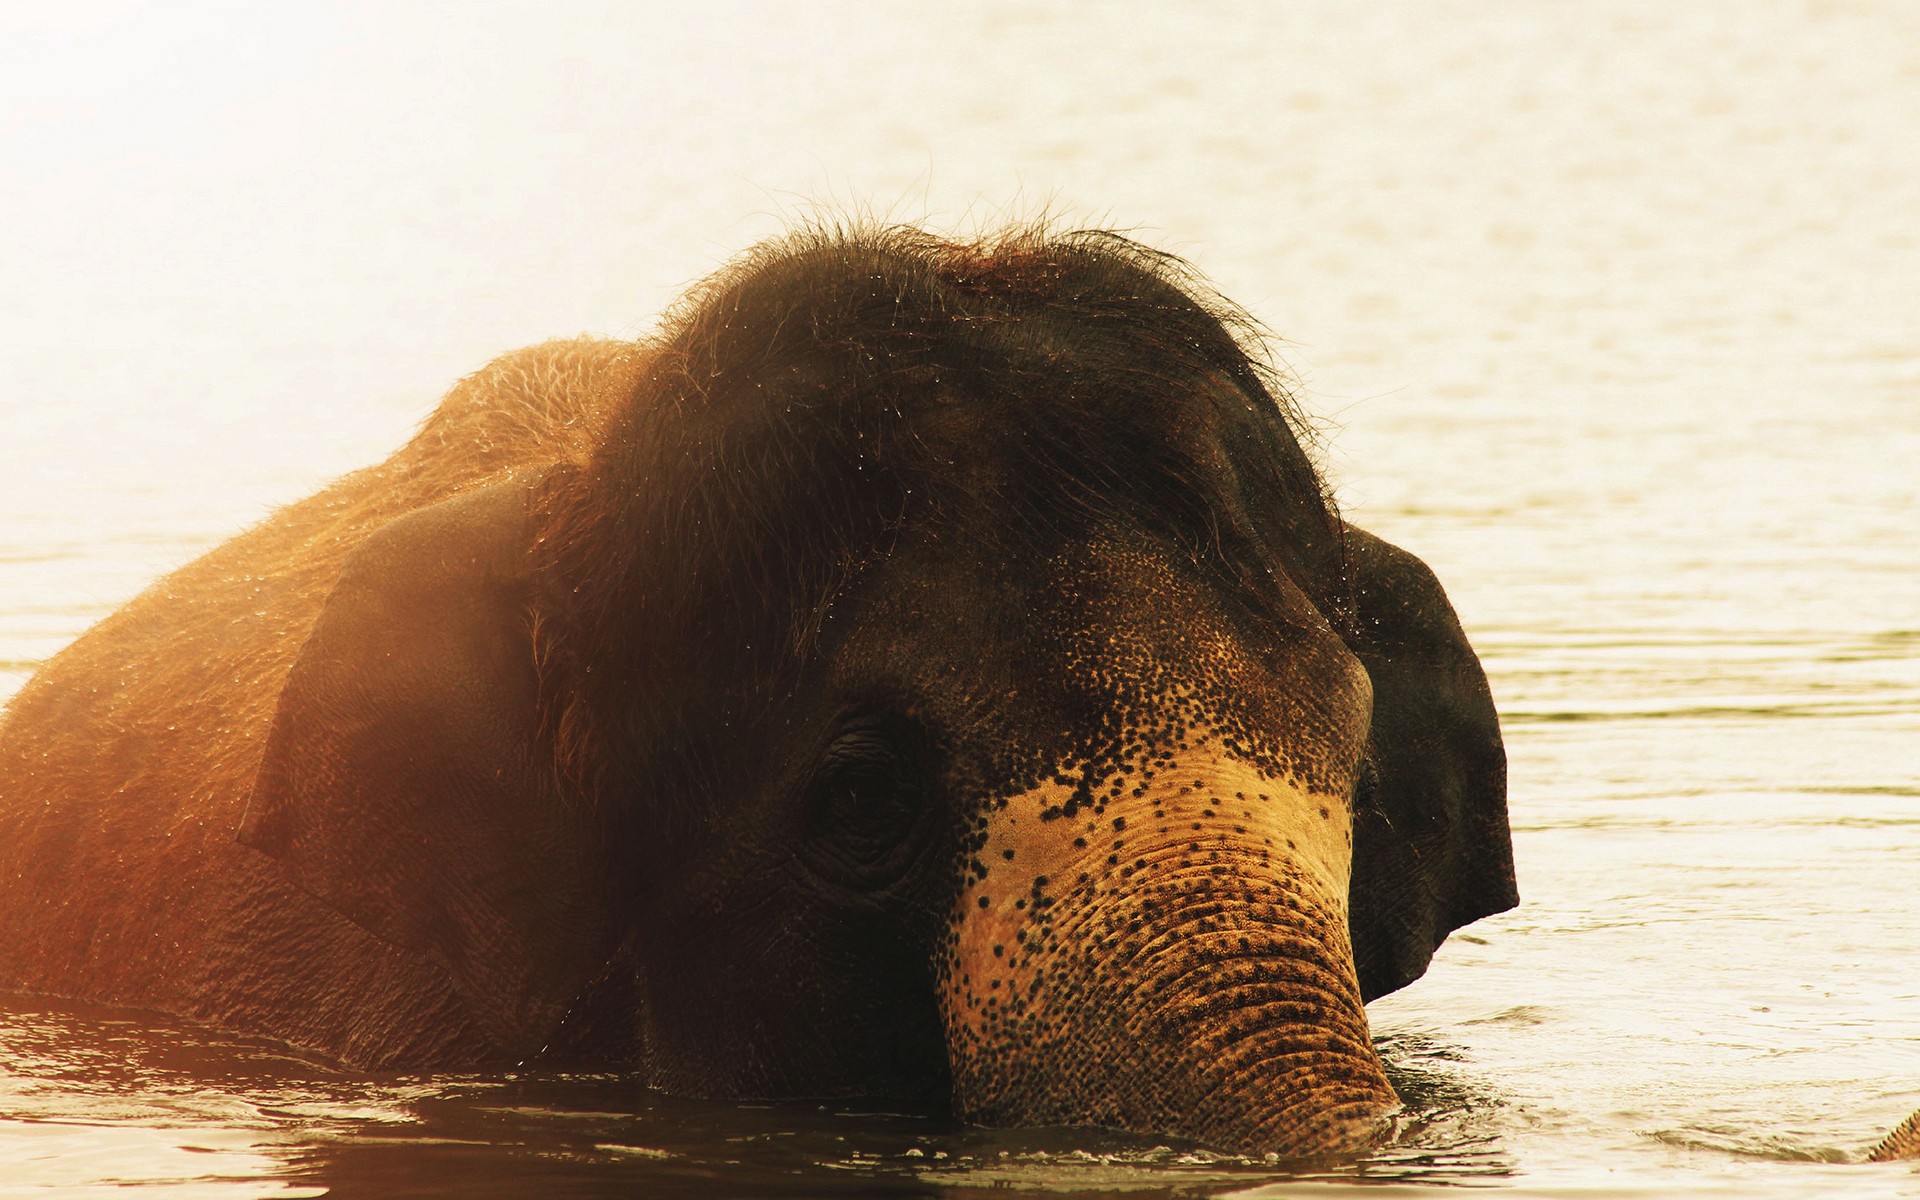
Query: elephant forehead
[[1086, 670]]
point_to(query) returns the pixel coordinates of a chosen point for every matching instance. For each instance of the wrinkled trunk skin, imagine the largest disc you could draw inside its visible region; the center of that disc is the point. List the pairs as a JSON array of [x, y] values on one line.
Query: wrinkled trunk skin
[[1168, 955]]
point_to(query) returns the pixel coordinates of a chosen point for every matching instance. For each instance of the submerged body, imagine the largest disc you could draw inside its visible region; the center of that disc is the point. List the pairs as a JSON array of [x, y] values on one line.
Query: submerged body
[[923, 668], [127, 762]]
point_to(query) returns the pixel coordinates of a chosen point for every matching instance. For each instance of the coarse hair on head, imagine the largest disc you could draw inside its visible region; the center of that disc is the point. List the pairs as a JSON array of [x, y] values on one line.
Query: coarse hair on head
[[784, 432]]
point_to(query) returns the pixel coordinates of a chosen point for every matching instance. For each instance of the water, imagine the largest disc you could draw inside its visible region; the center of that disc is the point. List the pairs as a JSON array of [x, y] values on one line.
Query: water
[[1611, 315]]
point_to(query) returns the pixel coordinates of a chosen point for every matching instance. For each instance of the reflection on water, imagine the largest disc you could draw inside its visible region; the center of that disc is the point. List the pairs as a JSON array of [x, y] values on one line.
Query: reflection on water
[[1609, 310], [91, 1096], [94, 1098]]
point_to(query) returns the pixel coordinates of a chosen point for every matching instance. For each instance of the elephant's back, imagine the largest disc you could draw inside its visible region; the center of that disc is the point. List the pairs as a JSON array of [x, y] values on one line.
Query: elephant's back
[[126, 762]]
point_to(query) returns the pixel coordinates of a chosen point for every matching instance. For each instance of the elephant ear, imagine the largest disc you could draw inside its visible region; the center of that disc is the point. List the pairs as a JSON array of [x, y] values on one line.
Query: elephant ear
[[402, 781], [1431, 847]]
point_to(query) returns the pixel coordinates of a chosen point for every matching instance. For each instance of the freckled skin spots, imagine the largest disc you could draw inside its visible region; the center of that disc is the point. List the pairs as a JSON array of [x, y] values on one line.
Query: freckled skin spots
[[1104, 971], [1126, 959]]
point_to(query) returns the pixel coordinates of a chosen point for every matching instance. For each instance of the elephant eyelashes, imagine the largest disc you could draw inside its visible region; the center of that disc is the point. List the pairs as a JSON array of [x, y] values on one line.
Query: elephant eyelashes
[[1366, 785], [867, 803]]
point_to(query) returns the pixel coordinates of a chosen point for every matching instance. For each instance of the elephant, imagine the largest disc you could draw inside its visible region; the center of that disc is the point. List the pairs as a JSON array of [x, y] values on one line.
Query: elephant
[[924, 667]]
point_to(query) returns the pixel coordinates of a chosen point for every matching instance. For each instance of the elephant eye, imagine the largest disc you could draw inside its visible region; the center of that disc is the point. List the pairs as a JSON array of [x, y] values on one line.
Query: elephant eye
[[870, 802], [867, 802]]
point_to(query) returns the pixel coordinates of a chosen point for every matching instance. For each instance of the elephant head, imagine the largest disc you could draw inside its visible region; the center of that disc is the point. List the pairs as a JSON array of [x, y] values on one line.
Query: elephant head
[[943, 670]]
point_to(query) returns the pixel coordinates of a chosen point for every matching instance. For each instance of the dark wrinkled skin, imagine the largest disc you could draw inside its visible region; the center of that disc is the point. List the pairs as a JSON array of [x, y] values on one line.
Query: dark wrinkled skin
[[923, 669]]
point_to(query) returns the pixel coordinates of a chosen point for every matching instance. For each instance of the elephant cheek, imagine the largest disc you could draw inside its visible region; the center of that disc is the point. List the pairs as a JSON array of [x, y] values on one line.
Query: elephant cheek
[[1173, 959]]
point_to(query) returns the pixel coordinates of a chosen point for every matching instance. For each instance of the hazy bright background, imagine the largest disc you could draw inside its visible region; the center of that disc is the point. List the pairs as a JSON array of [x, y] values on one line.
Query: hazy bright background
[[1611, 311]]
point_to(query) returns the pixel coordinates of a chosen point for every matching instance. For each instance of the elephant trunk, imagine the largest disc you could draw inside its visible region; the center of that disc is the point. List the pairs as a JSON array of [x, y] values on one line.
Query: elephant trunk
[[1169, 958]]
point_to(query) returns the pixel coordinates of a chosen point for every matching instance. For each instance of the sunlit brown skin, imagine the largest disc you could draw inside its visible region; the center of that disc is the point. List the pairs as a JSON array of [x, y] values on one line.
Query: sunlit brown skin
[[923, 668], [126, 764]]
